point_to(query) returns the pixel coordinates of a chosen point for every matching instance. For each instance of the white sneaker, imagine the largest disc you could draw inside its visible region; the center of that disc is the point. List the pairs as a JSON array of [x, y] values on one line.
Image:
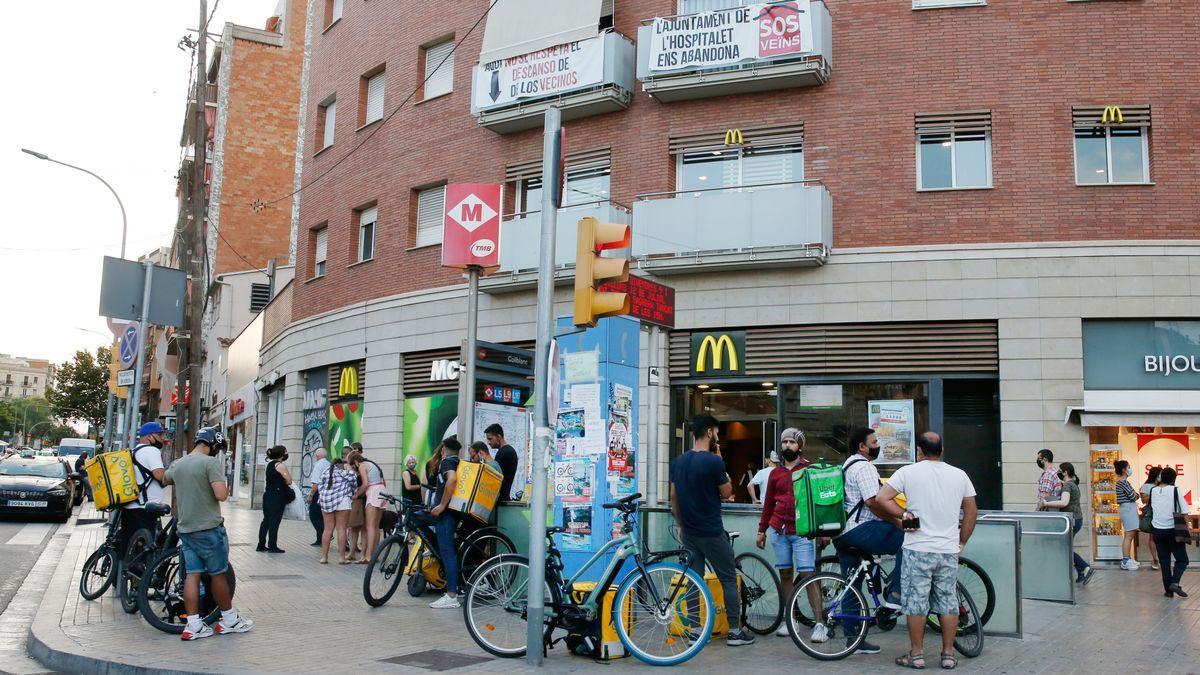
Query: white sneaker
[[1130, 565], [239, 625], [446, 602], [820, 633], [205, 631], [782, 631]]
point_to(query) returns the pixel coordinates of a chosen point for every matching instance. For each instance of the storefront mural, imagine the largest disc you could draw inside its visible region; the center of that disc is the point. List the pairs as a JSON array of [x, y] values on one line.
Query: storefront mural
[[316, 418], [428, 420], [345, 425]]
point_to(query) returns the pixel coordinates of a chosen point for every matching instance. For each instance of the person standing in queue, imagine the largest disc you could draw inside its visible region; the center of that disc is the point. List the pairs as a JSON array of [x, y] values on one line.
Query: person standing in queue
[[447, 522], [148, 465], [314, 504], [1166, 501], [275, 499], [1069, 502], [1152, 477], [758, 484], [699, 483], [505, 456], [1127, 501], [200, 487], [1050, 486]]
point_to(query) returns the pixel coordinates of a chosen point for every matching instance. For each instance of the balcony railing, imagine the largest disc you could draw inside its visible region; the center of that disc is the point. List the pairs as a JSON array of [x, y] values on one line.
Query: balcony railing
[[520, 229], [613, 92], [762, 74]]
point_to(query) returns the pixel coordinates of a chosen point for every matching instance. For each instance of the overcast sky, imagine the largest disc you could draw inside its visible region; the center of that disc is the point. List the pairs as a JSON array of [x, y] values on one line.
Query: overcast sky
[[101, 85]]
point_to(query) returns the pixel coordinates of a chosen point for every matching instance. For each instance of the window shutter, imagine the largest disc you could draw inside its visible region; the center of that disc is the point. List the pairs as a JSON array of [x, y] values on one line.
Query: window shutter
[[780, 134], [375, 97], [606, 7], [330, 115], [439, 76], [581, 160], [366, 233], [337, 10], [1093, 116], [431, 207], [969, 121], [260, 295], [368, 216], [322, 245]]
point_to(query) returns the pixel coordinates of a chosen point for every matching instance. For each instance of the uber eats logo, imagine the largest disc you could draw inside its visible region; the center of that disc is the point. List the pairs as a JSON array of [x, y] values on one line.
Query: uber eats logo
[[719, 353]]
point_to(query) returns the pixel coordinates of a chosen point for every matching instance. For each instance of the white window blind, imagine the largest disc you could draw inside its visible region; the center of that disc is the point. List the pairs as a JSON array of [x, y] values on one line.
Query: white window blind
[[321, 252], [374, 98], [366, 233], [330, 116], [439, 76], [336, 12], [431, 208]]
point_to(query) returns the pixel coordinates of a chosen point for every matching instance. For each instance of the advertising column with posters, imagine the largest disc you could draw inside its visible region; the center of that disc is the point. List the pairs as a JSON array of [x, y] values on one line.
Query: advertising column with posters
[[595, 435]]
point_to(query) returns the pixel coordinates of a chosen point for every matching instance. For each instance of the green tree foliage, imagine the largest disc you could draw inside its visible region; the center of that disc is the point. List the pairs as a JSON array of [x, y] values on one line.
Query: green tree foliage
[[80, 388], [54, 435], [24, 414]]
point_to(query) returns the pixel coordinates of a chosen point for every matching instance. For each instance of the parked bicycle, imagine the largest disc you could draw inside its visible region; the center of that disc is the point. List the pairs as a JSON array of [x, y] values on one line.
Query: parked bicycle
[[762, 606], [833, 627], [100, 569], [143, 546], [160, 592], [412, 549], [970, 574], [662, 612]]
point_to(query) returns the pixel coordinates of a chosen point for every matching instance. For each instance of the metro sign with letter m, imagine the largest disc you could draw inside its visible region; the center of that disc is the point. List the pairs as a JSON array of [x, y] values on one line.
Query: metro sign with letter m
[[471, 228]]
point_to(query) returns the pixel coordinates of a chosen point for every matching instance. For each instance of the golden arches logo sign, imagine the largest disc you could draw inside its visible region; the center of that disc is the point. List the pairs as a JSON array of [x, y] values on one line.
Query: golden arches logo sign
[[348, 382], [734, 137], [1112, 115], [721, 353]]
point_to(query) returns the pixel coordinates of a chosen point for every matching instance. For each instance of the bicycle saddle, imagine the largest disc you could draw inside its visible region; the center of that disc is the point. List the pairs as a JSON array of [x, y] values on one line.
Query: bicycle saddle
[[158, 510], [856, 552], [733, 535]]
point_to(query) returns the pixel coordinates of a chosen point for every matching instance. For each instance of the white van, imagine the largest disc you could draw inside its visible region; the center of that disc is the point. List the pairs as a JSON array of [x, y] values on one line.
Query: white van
[[76, 446]]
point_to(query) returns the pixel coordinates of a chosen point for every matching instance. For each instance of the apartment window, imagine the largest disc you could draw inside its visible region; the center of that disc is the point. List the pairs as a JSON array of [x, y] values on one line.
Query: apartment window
[[954, 150], [582, 186], [320, 250], [260, 296], [439, 69], [26, 382], [1112, 145], [366, 233], [431, 207], [765, 158], [935, 4], [326, 117], [371, 95], [35, 379], [333, 11]]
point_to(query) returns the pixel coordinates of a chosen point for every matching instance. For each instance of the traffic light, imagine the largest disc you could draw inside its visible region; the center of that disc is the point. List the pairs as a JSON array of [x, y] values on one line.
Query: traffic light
[[591, 270]]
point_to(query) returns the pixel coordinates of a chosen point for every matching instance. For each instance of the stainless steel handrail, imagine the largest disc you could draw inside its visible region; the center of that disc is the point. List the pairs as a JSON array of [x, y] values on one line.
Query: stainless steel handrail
[[1024, 515], [650, 195]]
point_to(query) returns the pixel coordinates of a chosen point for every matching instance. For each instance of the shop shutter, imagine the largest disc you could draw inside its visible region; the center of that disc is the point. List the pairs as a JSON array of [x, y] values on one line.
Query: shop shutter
[[969, 121], [335, 374], [439, 76], [1092, 116], [431, 207], [757, 137], [859, 349], [375, 97]]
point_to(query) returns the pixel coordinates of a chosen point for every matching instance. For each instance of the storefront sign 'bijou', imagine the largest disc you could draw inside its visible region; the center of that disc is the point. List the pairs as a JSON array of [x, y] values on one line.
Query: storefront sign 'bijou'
[[1165, 364]]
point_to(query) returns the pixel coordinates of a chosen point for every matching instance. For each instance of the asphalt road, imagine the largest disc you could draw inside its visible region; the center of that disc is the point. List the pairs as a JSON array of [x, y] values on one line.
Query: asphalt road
[[21, 543]]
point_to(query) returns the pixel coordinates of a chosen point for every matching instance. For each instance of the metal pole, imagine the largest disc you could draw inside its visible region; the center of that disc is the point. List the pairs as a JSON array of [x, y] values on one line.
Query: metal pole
[[136, 395], [108, 421], [467, 421], [541, 410], [652, 423], [124, 221]]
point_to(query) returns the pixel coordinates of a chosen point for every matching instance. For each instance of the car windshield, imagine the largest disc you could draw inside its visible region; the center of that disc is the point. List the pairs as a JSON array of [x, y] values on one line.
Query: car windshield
[[39, 469]]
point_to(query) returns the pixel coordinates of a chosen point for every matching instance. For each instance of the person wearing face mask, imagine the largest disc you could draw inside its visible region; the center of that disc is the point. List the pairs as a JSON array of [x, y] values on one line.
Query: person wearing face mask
[[869, 527], [275, 499], [149, 470], [412, 482], [1069, 502], [1050, 486], [1127, 501]]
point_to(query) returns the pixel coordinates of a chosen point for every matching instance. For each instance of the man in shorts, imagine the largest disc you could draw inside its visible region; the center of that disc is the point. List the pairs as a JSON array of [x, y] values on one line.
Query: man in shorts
[[935, 492], [200, 487]]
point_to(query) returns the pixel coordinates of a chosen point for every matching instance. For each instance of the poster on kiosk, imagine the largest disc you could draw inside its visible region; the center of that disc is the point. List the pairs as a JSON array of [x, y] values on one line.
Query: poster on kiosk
[[593, 459]]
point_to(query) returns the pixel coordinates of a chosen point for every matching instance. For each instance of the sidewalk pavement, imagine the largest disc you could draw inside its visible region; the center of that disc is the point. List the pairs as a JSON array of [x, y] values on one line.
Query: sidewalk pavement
[[311, 618]]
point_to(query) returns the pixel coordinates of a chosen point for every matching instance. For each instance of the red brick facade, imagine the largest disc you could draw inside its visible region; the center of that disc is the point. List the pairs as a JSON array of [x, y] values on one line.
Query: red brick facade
[[260, 146], [1028, 61]]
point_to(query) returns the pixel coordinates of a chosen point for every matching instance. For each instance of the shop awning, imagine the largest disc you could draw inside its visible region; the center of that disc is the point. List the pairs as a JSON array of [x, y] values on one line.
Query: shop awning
[[1113, 418], [518, 27]]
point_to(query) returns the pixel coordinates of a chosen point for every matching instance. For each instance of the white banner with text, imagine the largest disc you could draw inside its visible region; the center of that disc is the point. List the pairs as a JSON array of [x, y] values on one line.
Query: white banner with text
[[543, 73], [730, 36]]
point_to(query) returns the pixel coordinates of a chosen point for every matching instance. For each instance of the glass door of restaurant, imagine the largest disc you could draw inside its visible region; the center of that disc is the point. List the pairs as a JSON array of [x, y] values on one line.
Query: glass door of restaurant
[[748, 431]]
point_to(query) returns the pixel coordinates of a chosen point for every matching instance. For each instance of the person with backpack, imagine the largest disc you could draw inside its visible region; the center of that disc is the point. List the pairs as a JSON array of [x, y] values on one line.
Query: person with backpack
[[371, 485], [149, 470], [447, 521], [794, 554], [699, 483], [869, 527], [1165, 502]]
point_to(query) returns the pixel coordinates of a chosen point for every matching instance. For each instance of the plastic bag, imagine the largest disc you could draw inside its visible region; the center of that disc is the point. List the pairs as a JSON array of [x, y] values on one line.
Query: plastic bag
[[297, 509]]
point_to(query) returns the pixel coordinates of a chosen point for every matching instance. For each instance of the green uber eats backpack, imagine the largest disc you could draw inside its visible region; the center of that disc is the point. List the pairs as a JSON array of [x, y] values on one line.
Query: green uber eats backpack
[[820, 500]]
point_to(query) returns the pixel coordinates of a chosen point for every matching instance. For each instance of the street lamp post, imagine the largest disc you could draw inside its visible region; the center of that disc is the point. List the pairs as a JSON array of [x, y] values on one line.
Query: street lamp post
[[124, 235]]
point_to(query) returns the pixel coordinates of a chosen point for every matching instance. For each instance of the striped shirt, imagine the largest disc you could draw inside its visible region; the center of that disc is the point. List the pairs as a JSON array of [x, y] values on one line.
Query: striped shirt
[[1125, 493], [330, 494], [861, 483]]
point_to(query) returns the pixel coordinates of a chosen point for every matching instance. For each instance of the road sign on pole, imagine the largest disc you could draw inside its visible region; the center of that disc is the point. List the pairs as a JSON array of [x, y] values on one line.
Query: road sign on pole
[[125, 378], [129, 347]]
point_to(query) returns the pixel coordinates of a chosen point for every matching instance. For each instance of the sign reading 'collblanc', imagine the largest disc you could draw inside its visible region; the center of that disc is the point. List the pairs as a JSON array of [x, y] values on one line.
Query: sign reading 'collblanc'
[[723, 37]]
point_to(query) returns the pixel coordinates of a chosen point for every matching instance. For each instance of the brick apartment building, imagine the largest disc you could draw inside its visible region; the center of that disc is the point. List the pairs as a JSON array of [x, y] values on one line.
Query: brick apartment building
[[956, 206]]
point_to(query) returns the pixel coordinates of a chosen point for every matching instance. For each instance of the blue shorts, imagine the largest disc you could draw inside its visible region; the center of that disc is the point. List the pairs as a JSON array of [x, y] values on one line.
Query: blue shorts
[[205, 551], [793, 552]]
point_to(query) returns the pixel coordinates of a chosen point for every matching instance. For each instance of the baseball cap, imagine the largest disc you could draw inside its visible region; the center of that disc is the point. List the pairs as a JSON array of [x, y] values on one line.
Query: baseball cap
[[151, 428]]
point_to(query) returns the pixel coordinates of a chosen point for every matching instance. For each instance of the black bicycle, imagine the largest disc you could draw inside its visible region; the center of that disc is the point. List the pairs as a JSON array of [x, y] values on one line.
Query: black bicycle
[[143, 546], [100, 569], [160, 592]]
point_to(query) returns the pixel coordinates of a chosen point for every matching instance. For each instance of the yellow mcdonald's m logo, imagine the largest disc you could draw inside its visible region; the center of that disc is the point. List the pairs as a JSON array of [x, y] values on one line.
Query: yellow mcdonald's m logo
[[348, 381], [1112, 115], [721, 352], [734, 137]]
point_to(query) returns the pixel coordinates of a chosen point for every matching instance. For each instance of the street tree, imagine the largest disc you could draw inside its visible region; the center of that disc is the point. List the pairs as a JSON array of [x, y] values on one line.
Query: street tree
[[80, 388], [54, 435], [27, 415]]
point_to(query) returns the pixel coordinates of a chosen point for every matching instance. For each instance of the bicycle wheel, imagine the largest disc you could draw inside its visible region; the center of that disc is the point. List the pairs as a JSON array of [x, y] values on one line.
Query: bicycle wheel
[[477, 550], [160, 595], [99, 572], [968, 638], [385, 571], [838, 623], [762, 608], [664, 615], [979, 585], [133, 565], [496, 605]]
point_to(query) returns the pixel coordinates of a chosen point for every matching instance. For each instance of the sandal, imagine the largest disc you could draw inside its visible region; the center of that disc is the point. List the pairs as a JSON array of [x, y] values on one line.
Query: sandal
[[323, 561], [949, 659], [345, 562], [361, 561], [910, 660]]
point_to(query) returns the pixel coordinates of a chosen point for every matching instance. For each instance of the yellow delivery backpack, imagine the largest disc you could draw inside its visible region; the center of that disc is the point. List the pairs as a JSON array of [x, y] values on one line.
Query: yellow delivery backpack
[[114, 481], [477, 490]]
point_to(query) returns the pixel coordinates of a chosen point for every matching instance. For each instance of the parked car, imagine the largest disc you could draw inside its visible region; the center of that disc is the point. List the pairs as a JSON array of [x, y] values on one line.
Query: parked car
[[37, 486]]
